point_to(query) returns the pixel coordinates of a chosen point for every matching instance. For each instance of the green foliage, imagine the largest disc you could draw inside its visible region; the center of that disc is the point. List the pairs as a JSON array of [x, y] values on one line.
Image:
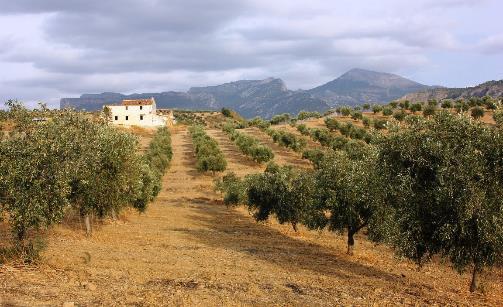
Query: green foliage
[[305, 115], [281, 191], [332, 123], [477, 112], [233, 188], [259, 123], [278, 119], [376, 108], [356, 115], [314, 155], [70, 161], [445, 188], [366, 121], [380, 124], [345, 111], [498, 117], [429, 110], [399, 115], [366, 106], [303, 129], [286, 139], [446, 104], [350, 190], [393, 104], [405, 105], [387, 111], [188, 118], [433, 102], [416, 107], [226, 112], [321, 135], [249, 145], [208, 154]]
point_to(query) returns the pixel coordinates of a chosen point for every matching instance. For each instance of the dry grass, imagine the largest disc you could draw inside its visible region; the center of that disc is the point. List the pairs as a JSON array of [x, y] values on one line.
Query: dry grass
[[189, 249]]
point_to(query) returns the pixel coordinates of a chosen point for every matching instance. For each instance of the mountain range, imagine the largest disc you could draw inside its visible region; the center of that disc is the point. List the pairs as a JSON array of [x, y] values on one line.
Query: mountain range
[[490, 88], [270, 96]]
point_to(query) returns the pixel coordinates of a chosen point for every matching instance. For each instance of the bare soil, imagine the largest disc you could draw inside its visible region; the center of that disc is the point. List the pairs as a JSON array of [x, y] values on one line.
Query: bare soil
[[189, 249]]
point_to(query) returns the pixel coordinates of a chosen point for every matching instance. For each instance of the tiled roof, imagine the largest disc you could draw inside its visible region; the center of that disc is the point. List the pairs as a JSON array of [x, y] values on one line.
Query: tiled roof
[[137, 102]]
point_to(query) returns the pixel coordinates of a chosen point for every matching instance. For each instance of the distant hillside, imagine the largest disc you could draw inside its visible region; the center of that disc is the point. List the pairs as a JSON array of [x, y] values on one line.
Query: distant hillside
[[359, 85], [490, 88], [270, 96]]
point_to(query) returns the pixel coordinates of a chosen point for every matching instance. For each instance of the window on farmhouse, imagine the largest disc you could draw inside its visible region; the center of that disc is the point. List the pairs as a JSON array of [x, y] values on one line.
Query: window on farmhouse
[[116, 118], [126, 108], [127, 117], [141, 117], [141, 107]]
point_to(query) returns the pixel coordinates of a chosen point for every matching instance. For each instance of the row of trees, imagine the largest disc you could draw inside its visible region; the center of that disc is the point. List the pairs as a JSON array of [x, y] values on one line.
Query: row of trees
[[250, 146], [427, 187], [73, 162], [208, 154], [286, 139]]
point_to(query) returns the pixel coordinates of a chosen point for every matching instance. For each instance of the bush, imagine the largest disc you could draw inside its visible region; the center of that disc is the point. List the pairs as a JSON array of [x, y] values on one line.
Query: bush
[[446, 104], [345, 111], [399, 115], [332, 123], [416, 107], [387, 111], [278, 119], [226, 112], [366, 121], [380, 124], [314, 156], [233, 189], [259, 123], [303, 129], [305, 115], [356, 115], [323, 136], [286, 139], [429, 110], [498, 117], [249, 145], [477, 112], [208, 154], [376, 108]]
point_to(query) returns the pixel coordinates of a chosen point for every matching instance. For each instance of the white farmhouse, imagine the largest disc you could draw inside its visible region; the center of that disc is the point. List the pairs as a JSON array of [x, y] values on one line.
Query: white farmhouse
[[136, 112]]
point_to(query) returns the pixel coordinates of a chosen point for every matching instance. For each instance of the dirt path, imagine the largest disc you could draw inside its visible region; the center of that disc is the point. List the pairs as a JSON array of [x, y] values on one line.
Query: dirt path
[[189, 249]]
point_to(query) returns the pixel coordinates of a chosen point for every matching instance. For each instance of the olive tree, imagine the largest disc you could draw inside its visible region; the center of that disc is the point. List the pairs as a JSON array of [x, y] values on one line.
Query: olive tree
[[445, 188], [349, 189]]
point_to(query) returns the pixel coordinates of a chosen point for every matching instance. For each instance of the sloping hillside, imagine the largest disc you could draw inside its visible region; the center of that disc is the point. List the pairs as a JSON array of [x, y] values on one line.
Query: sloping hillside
[[490, 88]]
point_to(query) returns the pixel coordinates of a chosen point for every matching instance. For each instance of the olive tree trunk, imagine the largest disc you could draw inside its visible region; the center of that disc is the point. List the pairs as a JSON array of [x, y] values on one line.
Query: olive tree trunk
[[87, 221], [475, 277]]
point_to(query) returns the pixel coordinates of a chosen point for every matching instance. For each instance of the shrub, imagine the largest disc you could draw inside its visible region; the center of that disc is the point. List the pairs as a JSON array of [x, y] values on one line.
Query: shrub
[[429, 110], [303, 129], [346, 111], [477, 112], [399, 115], [376, 108], [226, 112], [233, 189], [498, 117], [387, 111], [356, 115], [286, 139], [339, 142], [259, 123], [380, 124], [332, 123], [366, 121], [416, 107], [446, 104], [314, 156], [249, 145], [323, 136], [278, 119], [305, 115], [208, 154]]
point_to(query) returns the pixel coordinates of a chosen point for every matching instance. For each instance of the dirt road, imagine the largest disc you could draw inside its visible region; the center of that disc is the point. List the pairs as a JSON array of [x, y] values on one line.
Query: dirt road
[[189, 249]]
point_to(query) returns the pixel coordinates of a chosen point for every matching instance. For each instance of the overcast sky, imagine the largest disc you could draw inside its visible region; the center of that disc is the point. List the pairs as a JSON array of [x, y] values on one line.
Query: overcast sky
[[62, 48]]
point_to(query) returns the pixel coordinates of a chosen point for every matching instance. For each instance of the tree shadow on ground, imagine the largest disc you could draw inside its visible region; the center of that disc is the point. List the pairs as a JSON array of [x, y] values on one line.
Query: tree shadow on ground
[[229, 229]]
